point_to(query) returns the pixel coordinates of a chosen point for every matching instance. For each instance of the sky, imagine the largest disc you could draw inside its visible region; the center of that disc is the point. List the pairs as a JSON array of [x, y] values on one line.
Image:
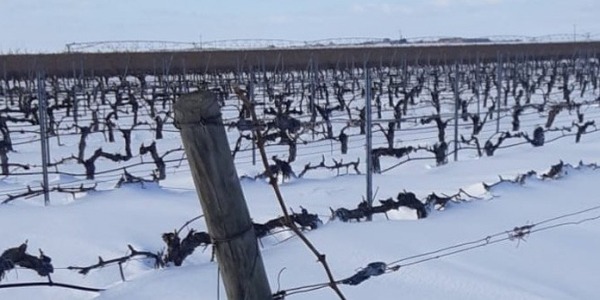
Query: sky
[[48, 25]]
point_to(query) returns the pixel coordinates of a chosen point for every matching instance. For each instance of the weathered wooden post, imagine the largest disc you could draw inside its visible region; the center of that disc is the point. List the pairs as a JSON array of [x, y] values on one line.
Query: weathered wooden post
[[227, 218]]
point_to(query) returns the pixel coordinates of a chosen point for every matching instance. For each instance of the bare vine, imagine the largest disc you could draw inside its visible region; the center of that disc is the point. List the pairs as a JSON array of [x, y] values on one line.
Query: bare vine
[[273, 181]]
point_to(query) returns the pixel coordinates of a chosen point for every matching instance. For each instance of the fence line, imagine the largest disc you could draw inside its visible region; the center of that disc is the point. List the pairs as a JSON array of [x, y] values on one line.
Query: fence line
[[517, 233]]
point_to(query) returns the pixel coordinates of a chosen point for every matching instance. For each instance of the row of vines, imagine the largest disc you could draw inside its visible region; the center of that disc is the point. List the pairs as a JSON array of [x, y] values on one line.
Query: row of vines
[[425, 112]]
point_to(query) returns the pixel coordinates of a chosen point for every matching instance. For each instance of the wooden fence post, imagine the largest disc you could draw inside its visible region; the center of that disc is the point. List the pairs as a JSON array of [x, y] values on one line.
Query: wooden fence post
[[227, 218]]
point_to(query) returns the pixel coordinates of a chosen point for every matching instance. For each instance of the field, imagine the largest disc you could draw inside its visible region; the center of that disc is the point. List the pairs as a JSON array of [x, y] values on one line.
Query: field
[[118, 176]]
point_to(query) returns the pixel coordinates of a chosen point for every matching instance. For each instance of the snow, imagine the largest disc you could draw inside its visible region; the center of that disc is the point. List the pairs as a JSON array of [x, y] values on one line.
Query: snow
[[554, 264], [557, 263]]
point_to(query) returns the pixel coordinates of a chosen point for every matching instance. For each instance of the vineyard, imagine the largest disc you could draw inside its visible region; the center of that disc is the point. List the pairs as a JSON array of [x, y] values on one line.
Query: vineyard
[[430, 112], [70, 141]]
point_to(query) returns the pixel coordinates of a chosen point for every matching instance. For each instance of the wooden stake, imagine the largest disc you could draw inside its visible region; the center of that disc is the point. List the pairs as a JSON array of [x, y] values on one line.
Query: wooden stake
[[227, 218]]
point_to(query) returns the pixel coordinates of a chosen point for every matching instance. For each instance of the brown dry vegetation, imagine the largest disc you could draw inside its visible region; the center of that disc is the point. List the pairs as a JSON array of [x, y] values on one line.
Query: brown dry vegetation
[[216, 61]]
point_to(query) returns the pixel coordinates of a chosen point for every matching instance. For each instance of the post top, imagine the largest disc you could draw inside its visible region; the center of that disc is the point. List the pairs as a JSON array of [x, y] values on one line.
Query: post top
[[197, 107]]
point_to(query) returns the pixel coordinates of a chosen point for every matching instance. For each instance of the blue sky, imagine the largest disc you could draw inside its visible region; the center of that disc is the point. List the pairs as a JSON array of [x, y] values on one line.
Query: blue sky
[[47, 25]]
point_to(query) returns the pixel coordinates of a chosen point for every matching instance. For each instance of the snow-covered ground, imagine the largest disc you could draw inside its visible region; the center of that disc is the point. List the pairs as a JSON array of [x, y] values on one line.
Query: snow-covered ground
[[560, 263], [482, 255]]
